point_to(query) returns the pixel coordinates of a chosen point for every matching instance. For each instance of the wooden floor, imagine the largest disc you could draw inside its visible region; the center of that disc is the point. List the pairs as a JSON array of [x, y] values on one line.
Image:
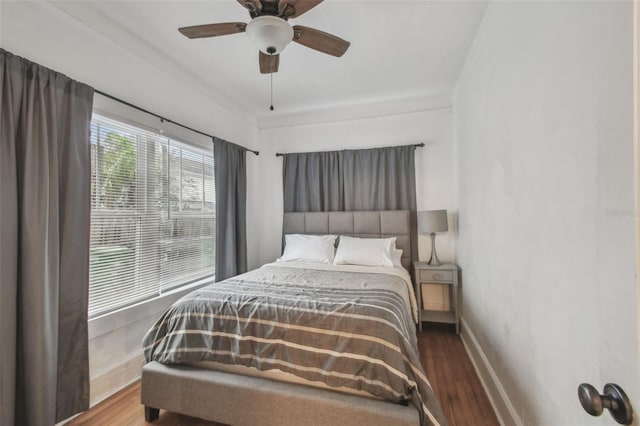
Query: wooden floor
[[453, 378], [445, 361]]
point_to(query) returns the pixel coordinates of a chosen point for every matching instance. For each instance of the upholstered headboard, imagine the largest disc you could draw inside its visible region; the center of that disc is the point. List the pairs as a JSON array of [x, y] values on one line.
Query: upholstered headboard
[[372, 224]]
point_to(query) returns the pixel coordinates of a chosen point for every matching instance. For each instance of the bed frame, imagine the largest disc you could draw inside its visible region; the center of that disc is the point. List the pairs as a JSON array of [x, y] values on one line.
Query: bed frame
[[241, 400]]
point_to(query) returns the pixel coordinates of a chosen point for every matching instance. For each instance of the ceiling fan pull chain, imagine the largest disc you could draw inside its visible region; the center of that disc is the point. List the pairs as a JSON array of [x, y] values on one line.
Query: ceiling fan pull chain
[[271, 107]]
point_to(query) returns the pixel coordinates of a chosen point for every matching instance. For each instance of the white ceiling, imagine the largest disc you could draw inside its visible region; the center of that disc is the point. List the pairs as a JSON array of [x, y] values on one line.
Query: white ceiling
[[399, 50]]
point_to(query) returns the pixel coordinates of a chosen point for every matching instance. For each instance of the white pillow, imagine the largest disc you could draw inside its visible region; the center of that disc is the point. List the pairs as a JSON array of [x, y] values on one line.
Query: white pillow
[[396, 256], [308, 248], [365, 251]]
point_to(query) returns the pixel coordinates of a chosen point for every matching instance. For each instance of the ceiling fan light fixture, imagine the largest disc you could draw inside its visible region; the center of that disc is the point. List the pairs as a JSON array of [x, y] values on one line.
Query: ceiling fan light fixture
[[270, 34]]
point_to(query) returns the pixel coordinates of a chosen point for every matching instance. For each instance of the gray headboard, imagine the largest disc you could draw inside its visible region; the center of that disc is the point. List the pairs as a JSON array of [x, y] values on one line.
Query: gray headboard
[[372, 224]]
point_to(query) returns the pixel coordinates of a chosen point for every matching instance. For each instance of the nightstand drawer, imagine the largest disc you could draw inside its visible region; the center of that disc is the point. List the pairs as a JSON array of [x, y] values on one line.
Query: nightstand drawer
[[446, 276]]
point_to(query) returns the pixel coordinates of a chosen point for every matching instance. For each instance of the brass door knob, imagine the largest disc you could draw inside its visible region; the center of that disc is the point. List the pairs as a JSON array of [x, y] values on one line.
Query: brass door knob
[[613, 398]]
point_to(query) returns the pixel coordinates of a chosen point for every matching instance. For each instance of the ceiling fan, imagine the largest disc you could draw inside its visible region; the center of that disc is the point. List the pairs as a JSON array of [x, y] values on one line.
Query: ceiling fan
[[270, 30]]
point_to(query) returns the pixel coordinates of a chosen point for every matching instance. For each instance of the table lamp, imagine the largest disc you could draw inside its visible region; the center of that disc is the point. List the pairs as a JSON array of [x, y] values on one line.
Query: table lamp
[[430, 222]]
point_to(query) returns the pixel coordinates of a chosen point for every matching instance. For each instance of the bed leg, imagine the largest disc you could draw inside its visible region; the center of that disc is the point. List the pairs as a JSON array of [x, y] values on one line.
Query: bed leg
[[150, 413]]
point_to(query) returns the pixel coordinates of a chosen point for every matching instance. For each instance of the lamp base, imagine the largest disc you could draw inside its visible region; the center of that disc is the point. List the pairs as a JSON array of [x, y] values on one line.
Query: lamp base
[[433, 261]]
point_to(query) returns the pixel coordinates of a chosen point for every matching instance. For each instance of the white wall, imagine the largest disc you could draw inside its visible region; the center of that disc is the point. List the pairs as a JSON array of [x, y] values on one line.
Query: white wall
[[47, 35], [544, 134], [435, 185]]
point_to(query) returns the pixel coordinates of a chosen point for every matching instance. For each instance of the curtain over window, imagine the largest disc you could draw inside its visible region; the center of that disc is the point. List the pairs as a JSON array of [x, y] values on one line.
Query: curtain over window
[[351, 180], [231, 201], [152, 214], [45, 195]]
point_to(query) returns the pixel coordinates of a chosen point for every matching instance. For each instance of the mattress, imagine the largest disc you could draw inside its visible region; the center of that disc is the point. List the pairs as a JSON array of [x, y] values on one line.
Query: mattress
[[342, 326]]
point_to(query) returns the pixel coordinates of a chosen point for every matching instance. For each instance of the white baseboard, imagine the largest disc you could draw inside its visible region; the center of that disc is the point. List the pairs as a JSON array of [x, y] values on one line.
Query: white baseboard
[[130, 379], [116, 379], [499, 399]]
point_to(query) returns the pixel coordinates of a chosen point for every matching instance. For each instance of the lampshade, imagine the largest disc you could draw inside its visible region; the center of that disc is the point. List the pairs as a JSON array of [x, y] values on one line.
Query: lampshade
[[270, 34], [432, 221]]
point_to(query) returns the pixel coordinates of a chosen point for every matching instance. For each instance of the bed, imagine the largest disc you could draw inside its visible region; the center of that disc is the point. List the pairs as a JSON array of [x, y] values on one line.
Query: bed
[[346, 354]]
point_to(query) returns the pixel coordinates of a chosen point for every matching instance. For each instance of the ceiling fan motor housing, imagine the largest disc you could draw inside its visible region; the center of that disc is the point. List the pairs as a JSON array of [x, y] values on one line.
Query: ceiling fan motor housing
[[270, 34]]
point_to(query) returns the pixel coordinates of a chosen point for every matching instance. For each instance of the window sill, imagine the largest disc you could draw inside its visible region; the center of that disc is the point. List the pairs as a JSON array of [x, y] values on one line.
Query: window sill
[[111, 321]]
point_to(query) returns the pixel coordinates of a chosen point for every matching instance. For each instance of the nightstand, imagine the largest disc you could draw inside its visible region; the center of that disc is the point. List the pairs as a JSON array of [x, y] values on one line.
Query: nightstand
[[445, 275]]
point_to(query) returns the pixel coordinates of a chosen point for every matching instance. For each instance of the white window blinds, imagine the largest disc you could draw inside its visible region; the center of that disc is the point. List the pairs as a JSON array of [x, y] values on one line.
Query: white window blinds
[[152, 215]]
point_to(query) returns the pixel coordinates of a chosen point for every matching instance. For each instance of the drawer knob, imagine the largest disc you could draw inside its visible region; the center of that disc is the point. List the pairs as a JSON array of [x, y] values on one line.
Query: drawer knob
[[436, 276]]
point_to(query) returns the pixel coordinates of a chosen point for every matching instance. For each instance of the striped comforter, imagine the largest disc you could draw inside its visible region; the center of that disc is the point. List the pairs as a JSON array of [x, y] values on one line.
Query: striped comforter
[[345, 329]]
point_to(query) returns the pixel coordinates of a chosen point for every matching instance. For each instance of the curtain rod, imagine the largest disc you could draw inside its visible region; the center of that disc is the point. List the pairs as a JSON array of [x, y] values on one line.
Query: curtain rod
[[163, 119], [417, 145]]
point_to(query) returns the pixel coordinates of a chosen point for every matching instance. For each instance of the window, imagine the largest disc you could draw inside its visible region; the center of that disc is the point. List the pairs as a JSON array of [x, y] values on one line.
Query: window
[[152, 215]]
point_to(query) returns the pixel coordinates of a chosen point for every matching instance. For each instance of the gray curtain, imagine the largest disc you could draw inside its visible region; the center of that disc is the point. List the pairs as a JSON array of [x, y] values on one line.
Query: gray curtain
[[44, 247], [313, 182], [350, 180], [231, 208]]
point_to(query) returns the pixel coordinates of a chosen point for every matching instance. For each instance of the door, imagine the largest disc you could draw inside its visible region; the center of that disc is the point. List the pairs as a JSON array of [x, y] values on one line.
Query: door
[[619, 337]]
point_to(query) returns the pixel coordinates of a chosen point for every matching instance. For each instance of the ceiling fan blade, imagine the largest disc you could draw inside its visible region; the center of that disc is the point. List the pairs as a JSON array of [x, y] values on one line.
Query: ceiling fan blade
[[213, 30], [269, 63], [251, 4], [297, 7], [320, 41]]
